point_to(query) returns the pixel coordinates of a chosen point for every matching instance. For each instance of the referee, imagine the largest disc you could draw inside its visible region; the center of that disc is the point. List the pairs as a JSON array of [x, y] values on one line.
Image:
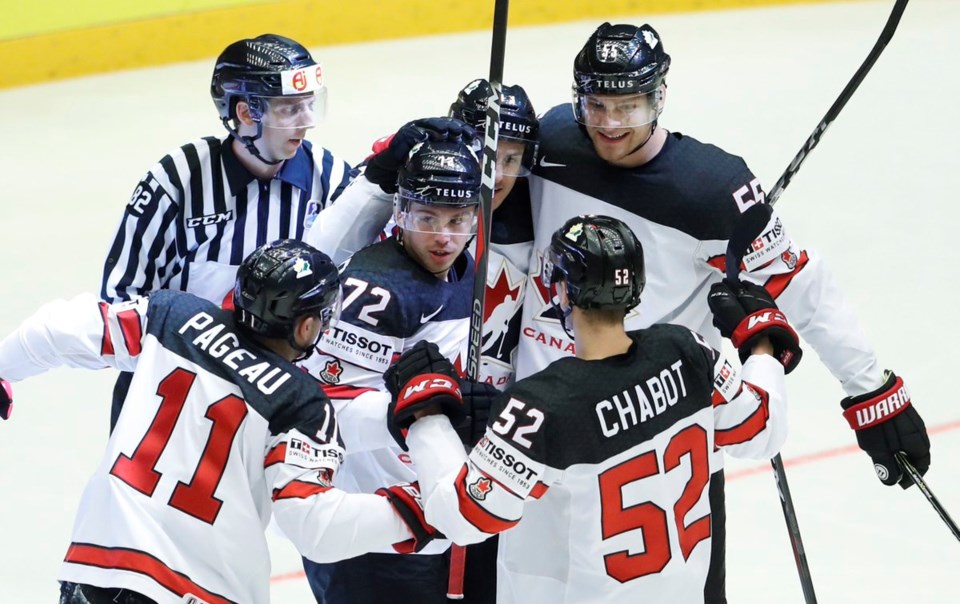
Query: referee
[[204, 207]]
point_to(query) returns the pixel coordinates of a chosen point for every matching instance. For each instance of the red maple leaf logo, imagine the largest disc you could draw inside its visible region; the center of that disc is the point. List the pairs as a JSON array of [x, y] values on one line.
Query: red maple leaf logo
[[480, 488], [331, 371]]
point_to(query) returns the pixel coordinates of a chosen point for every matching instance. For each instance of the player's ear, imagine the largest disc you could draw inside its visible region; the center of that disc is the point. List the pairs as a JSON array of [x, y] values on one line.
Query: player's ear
[[243, 113]]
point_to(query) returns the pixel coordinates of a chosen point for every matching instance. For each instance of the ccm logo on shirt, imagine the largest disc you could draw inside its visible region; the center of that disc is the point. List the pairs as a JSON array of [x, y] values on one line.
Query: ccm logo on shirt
[[209, 219]]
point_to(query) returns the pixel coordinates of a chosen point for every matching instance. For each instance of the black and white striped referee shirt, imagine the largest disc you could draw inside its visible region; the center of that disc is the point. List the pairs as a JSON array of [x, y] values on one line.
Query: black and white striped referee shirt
[[198, 213]]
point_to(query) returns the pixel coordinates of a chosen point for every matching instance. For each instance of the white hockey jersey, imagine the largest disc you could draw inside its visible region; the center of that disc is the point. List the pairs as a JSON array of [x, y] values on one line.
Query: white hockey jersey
[[682, 205], [596, 472], [216, 434]]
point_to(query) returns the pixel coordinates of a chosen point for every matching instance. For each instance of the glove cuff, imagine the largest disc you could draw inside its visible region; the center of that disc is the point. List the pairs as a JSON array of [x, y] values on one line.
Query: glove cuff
[[868, 410], [756, 322], [437, 388]]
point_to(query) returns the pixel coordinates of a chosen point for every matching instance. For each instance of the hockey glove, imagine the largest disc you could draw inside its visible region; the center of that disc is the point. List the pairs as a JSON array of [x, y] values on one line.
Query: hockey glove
[[885, 423], [405, 499], [6, 399], [477, 399], [743, 311], [391, 153], [422, 379]]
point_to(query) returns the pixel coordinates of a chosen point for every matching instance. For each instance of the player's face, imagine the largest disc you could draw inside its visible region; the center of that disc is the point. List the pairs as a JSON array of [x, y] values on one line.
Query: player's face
[[617, 125], [509, 168], [435, 236]]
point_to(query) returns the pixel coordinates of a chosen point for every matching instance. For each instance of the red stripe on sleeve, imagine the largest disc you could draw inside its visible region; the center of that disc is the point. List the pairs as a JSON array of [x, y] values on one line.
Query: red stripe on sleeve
[[275, 455], [131, 328], [776, 284], [299, 490], [750, 427], [474, 513], [106, 343], [142, 563]]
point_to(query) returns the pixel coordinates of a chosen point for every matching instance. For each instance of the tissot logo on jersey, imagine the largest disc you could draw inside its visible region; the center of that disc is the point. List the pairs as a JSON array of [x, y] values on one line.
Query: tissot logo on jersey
[[767, 247], [360, 346], [507, 465], [726, 379], [305, 454]]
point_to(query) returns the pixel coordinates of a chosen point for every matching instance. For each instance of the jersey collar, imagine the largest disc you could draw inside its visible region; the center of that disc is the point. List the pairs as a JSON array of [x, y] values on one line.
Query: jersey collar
[[296, 171]]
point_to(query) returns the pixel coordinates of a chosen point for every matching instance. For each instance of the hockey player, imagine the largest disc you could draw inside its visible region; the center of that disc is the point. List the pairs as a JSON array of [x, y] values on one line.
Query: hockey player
[[219, 432], [682, 197], [415, 286], [606, 457], [204, 207], [355, 219]]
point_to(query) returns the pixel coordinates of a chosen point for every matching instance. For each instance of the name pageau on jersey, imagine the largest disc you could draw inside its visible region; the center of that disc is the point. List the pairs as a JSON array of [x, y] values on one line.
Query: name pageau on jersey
[[683, 219], [642, 427], [216, 435], [389, 304]]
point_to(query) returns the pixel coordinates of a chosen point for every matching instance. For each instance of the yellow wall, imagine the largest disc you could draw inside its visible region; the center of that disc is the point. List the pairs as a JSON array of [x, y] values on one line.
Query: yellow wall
[[65, 38]]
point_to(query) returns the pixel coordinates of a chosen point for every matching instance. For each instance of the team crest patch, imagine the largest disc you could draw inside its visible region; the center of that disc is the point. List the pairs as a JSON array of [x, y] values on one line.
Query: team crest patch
[[790, 259], [331, 372], [479, 488], [302, 268]]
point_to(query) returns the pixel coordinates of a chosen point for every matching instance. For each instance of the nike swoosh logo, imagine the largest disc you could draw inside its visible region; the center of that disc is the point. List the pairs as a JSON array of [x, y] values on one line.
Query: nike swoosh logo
[[425, 318], [549, 164]]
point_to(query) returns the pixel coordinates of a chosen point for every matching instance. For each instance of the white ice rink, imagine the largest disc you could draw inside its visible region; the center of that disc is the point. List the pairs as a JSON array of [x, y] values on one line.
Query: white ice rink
[[878, 198]]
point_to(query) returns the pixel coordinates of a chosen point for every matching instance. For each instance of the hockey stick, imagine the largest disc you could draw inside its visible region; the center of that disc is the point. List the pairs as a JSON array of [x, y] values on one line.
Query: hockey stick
[[885, 36], [491, 131], [922, 485], [752, 222], [733, 270]]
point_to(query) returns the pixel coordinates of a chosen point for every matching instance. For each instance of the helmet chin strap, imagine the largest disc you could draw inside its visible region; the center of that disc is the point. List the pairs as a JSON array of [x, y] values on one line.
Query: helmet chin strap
[[653, 128], [248, 142]]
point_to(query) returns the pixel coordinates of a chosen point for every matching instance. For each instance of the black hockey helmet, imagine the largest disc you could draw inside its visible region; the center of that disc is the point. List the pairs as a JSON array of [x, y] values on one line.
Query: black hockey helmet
[[255, 69], [600, 261], [621, 59], [281, 282], [518, 119], [441, 173]]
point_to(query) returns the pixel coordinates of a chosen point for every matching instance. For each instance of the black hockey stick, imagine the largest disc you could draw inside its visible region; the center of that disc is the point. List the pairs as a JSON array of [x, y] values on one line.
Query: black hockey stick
[[491, 135], [885, 36], [922, 485], [751, 224], [491, 132]]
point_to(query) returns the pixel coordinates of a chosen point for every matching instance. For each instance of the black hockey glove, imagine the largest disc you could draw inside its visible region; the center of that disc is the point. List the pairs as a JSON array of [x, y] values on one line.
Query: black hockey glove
[[744, 311], [6, 399], [384, 166], [477, 399], [886, 423], [405, 499], [420, 380]]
